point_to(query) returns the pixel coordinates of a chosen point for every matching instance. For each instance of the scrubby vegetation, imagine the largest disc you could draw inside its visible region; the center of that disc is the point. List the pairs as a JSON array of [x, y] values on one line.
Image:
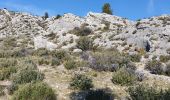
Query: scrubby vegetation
[[84, 43], [27, 76], [81, 31], [143, 92], [81, 82], [25, 71], [135, 57], [34, 91], [164, 58], [71, 64], [124, 77], [7, 67], [155, 67], [110, 61], [1, 90]]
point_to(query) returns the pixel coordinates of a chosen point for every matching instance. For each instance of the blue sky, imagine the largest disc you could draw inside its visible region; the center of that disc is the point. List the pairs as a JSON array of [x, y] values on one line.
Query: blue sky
[[131, 9]]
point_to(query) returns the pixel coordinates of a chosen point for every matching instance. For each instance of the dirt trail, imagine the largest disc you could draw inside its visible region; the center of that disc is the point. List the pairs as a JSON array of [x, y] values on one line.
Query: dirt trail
[[59, 78]]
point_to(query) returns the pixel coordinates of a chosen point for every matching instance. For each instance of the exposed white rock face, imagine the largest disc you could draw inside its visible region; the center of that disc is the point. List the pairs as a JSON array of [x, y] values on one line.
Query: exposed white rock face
[[77, 51], [40, 42], [64, 24], [109, 31]]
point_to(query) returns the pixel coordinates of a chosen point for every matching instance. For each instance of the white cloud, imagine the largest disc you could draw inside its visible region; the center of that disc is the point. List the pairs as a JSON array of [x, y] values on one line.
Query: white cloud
[[27, 8], [151, 6]]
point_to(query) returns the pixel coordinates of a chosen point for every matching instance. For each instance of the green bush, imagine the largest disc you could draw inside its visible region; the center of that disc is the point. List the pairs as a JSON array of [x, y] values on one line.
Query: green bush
[[124, 77], [81, 31], [81, 82], [13, 53], [9, 42], [41, 52], [26, 64], [5, 73], [1, 91], [164, 58], [7, 67], [84, 43], [108, 61], [12, 88], [4, 62], [55, 62], [142, 92], [60, 54], [27, 76], [71, 64], [34, 91], [155, 67], [43, 61], [4, 53], [135, 57]]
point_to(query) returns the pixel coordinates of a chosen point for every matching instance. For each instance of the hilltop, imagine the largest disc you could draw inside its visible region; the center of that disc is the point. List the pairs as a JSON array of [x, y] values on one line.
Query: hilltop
[[96, 45]]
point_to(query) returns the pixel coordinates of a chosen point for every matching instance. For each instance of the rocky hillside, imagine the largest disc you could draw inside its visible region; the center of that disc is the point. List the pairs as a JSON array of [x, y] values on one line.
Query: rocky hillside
[[80, 56], [106, 31]]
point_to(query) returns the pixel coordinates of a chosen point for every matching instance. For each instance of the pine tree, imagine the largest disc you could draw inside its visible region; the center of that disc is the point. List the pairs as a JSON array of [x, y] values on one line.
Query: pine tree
[[107, 9], [46, 15]]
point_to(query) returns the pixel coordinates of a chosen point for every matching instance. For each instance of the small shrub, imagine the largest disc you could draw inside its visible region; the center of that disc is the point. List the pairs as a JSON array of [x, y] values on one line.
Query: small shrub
[[19, 53], [123, 77], [142, 92], [9, 42], [26, 64], [164, 58], [107, 61], [167, 69], [154, 57], [82, 31], [5, 73], [138, 23], [60, 54], [8, 62], [41, 52], [34, 91], [107, 26], [7, 67], [71, 64], [81, 82], [135, 57], [55, 62], [1, 91], [84, 43], [155, 67], [27, 76], [134, 32], [13, 53], [43, 61], [11, 88]]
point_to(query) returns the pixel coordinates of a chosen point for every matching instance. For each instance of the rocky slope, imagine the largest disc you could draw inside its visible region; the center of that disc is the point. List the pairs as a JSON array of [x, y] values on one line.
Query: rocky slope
[[108, 31], [149, 38]]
